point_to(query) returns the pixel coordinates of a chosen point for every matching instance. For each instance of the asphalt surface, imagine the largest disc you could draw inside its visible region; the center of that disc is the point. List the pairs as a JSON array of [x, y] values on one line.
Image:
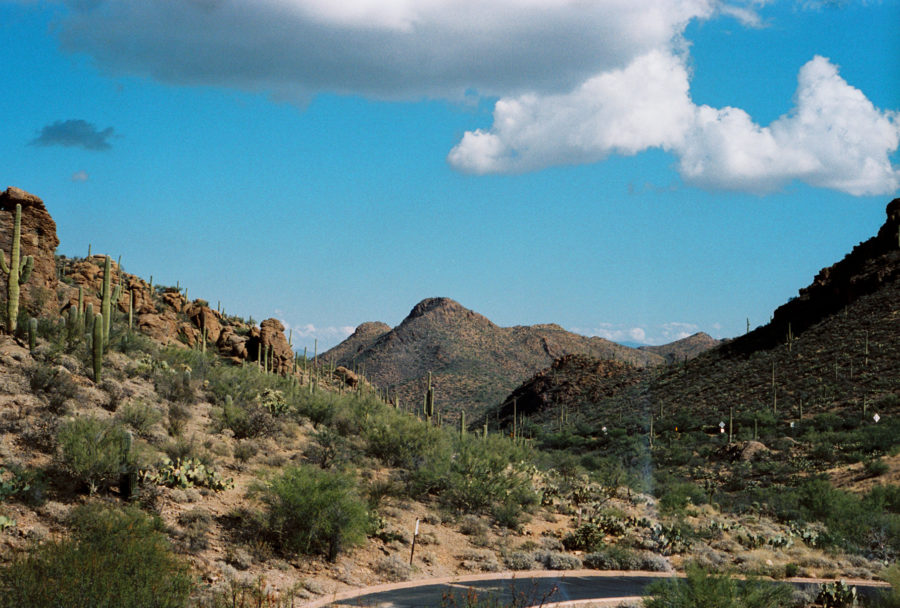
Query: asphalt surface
[[550, 590], [538, 591]]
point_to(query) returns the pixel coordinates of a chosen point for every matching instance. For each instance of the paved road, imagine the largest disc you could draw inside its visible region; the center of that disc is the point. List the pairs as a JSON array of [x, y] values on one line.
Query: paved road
[[561, 587], [552, 590]]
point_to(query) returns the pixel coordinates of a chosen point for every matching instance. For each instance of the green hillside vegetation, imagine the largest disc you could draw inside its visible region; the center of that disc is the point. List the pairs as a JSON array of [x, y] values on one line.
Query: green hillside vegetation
[[254, 477]]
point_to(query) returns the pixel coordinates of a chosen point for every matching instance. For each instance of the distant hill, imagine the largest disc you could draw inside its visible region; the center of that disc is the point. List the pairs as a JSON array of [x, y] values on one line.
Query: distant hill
[[474, 362], [686, 348]]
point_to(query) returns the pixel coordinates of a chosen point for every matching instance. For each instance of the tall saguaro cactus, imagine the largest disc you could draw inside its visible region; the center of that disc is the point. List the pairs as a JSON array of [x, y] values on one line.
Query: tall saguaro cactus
[[97, 347], [107, 297], [18, 269]]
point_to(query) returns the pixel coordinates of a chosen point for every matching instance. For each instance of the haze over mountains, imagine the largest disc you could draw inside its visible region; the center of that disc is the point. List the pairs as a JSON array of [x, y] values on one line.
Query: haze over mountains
[[474, 362]]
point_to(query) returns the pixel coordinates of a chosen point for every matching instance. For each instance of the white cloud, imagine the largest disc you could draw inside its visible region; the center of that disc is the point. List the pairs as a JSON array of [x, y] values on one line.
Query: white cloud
[[644, 105], [80, 176], [576, 80], [657, 334], [393, 49], [327, 336], [833, 138], [670, 332]]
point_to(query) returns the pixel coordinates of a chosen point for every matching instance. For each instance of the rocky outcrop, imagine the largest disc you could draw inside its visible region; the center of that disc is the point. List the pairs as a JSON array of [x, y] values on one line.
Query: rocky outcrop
[[573, 382], [39, 240], [271, 335]]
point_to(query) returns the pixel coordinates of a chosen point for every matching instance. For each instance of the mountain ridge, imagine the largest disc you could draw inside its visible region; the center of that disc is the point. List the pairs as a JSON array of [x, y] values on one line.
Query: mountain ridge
[[473, 361]]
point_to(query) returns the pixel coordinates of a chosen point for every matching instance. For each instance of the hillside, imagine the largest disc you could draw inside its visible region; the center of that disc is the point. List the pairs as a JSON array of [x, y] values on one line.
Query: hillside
[[175, 465], [685, 348], [474, 363]]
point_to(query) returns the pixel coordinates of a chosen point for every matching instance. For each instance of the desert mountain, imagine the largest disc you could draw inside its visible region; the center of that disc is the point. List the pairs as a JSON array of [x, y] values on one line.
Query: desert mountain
[[474, 362], [833, 349]]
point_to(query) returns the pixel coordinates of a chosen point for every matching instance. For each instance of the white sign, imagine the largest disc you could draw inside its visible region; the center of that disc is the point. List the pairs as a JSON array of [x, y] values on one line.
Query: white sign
[[876, 417], [721, 425], [417, 528], [604, 428], [792, 425]]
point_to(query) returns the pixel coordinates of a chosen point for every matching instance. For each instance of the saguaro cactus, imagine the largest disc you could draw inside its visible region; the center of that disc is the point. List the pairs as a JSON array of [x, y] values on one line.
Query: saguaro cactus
[[97, 347], [107, 298], [32, 333], [18, 269], [429, 400]]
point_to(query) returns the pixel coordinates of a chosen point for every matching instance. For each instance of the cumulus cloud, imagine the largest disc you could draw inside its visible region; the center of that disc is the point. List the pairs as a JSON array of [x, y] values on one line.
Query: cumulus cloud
[[75, 133], [80, 176], [575, 80], [644, 105], [833, 138], [392, 49]]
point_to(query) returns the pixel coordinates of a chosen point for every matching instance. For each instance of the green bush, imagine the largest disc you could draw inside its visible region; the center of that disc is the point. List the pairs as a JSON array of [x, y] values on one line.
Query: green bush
[[588, 537], [246, 420], [312, 511], [400, 440], [94, 451], [876, 467], [54, 382], [114, 558], [139, 415], [675, 497], [703, 590]]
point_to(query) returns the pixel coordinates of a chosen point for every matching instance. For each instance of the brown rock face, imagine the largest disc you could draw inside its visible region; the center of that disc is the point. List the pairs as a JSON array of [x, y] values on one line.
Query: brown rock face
[[205, 317], [39, 240], [271, 333]]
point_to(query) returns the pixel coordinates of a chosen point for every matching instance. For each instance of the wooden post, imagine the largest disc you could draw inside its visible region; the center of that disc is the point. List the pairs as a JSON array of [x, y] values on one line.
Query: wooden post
[[412, 550]]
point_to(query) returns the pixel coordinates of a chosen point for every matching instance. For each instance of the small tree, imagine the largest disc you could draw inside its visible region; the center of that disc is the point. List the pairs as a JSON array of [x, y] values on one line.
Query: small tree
[[313, 511]]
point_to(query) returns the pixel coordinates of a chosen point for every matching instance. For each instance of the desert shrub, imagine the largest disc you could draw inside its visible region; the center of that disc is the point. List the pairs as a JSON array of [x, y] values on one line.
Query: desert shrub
[[520, 560], [244, 451], [176, 386], [195, 529], [330, 449], [94, 451], [23, 484], [700, 589], [484, 473], [179, 414], [615, 558], [313, 511], [115, 557], [246, 420], [182, 448], [890, 598], [318, 407], [876, 467], [55, 383], [393, 568], [399, 440], [587, 537], [139, 415], [554, 560], [674, 497]]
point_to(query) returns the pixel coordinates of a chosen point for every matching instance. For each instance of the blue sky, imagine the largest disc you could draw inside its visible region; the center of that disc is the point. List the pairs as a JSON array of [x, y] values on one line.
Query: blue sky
[[635, 170]]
